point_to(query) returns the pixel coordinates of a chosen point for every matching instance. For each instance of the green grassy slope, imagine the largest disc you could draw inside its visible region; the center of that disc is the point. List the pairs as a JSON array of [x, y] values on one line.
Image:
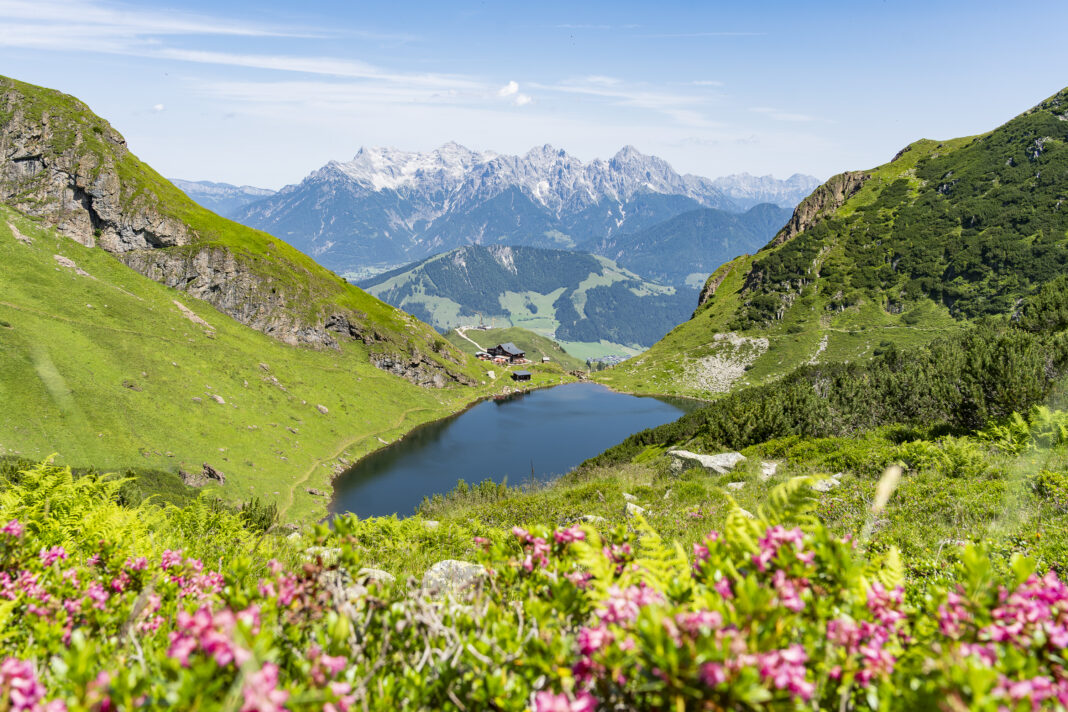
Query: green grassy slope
[[106, 370], [535, 345], [300, 292], [946, 232]]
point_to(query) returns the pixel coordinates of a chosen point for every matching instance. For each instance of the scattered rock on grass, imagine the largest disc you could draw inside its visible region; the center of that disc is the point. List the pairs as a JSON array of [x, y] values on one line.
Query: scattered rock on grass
[[719, 464], [629, 497], [207, 475], [451, 576], [329, 555], [431, 524], [218, 399], [322, 409], [735, 485], [592, 519], [24, 239], [828, 484], [317, 492], [634, 510], [378, 575], [768, 469]]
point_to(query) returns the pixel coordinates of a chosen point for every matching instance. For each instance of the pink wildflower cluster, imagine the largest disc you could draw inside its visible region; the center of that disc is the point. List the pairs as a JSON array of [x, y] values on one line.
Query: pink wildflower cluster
[[566, 536], [545, 701], [623, 604], [619, 554], [781, 669], [1038, 607], [535, 548], [212, 634], [952, 615], [12, 529], [1036, 690], [701, 551], [325, 667], [775, 539], [50, 556], [785, 670], [261, 691], [864, 641], [24, 692]]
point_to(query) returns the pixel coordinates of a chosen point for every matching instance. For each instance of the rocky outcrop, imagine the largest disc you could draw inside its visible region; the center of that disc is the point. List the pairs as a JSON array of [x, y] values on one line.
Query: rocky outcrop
[[826, 199], [216, 276], [712, 284], [59, 163], [208, 475]]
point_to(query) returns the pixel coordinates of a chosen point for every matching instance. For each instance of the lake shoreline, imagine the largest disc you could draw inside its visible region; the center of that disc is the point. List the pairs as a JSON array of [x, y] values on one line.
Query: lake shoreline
[[498, 444], [452, 414]]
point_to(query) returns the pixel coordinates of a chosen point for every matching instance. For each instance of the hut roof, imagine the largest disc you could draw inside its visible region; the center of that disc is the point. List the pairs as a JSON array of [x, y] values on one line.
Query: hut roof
[[511, 349]]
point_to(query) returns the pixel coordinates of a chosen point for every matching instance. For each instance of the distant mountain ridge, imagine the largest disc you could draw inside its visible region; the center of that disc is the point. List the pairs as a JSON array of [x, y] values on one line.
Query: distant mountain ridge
[[748, 191], [565, 295], [687, 248], [222, 198], [387, 207]]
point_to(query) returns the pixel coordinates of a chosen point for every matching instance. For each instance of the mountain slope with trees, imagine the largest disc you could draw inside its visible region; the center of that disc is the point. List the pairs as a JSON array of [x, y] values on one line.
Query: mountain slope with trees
[[572, 297], [686, 249], [947, 232]]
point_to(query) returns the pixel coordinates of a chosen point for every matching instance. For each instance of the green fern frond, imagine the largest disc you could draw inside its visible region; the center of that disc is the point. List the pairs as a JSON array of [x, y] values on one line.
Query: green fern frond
[[740, 531], [790, 504], [892, 570], [660, 564]]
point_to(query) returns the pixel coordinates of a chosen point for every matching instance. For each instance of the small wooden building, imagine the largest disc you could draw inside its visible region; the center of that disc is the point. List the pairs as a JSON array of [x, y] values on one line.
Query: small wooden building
[[509, 351], [521, 375]]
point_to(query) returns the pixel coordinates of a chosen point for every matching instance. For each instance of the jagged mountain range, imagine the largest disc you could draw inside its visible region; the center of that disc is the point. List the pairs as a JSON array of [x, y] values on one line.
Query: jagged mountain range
[[387, 207], [222, 198]]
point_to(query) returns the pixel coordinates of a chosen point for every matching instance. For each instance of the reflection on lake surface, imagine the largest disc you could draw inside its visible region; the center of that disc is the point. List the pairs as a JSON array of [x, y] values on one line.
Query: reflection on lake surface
[[544, 432]]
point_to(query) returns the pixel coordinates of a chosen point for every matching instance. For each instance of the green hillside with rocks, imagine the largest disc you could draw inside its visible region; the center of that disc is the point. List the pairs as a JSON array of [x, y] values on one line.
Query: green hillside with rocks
[[139, 330], [947, 232]]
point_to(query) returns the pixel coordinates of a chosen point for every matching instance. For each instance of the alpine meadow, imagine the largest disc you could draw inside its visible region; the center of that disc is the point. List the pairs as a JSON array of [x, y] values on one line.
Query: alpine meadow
[[815, 429]]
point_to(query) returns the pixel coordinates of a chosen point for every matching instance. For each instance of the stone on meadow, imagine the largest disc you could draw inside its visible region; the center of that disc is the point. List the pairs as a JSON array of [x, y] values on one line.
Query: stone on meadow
[[451, 576], [719, 464]]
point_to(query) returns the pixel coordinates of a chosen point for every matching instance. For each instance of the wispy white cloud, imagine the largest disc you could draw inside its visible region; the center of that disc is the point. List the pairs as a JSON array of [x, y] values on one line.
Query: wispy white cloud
[[158, 108], [686, 108], [114, 20], [780, 115], [707, 83], [509, 89]]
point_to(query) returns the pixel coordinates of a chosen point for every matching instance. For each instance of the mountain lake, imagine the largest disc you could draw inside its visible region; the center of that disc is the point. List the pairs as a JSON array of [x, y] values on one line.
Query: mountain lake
[[532, 436]]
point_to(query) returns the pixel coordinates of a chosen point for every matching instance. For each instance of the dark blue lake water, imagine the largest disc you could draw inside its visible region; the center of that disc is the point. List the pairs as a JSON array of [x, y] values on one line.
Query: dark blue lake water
[[547, 431]]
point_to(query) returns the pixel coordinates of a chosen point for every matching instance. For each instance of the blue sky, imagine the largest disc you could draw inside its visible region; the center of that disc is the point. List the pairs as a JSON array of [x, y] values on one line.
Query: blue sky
[[264, 92]]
